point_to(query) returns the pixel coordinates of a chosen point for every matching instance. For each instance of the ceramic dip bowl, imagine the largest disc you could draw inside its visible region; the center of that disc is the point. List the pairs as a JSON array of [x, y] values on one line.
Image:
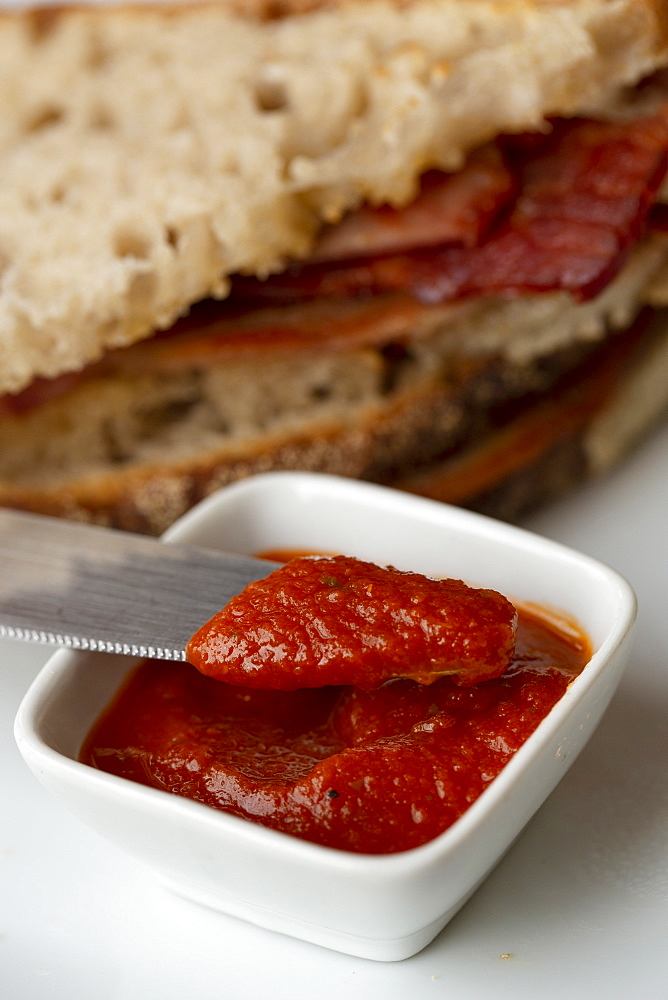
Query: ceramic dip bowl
[[384, 907]]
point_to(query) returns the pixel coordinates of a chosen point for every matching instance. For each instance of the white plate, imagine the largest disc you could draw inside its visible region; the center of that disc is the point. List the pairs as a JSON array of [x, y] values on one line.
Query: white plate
[[577, 908]]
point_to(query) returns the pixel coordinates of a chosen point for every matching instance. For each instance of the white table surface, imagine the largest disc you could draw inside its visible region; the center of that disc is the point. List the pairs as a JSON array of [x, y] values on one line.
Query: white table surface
[[577, 909]]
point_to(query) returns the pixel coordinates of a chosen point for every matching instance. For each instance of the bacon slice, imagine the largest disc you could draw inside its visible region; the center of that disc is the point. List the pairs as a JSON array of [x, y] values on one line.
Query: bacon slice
[[41, 391], [585, 194], [450, 209], [330, 323], [214, 333]]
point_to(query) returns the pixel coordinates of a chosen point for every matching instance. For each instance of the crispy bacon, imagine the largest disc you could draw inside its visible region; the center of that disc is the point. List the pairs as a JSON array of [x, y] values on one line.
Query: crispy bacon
[[334, 323], [213, 333], [40, 391], [585, 192], [453, 209]]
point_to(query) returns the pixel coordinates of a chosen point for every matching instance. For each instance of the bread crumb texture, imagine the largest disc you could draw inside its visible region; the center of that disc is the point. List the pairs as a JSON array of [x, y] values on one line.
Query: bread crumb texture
[[149, 152]]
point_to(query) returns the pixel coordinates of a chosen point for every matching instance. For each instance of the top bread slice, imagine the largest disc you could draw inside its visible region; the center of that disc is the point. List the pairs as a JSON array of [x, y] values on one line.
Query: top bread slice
[[147, 153]]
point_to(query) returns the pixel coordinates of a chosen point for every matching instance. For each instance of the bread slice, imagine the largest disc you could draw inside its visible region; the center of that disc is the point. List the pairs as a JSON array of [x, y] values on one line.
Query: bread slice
[[149, 153]]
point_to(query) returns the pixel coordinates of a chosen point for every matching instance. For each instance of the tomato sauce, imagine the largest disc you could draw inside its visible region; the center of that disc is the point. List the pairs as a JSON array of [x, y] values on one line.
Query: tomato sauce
[[339, 620], [375, 771]]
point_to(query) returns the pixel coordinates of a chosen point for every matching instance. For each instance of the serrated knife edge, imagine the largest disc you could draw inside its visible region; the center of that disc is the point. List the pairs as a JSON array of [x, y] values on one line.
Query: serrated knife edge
[[90, 588]]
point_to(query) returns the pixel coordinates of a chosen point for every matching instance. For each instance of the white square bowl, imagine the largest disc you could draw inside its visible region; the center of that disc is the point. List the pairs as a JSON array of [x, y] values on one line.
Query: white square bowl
[[384, 907]]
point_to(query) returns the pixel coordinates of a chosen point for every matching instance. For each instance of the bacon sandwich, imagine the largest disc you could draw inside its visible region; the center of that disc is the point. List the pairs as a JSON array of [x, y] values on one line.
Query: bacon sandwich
[[419, 242]]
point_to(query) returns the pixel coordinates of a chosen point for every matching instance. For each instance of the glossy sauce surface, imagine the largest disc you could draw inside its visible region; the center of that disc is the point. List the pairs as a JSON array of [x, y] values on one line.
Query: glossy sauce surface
[[375, 772], [320, 620]]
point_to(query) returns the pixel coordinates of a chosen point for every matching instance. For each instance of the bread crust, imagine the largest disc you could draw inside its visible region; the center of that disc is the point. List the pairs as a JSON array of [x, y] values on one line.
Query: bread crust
[[43, 18]]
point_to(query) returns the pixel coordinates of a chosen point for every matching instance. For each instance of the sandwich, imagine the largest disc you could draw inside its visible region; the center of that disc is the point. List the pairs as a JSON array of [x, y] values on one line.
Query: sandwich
[[418, 242]]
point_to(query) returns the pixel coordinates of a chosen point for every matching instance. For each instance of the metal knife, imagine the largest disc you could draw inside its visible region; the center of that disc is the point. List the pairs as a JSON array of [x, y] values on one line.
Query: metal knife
[[86, 587]]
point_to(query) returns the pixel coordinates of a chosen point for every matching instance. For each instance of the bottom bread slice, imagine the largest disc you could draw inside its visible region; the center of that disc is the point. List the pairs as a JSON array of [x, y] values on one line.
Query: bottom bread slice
[[494, 404]]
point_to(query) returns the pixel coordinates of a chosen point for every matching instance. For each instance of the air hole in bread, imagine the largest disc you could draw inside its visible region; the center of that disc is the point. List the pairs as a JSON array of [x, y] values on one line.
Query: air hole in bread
[[116, 453], [102, 119], [271, 95], [45, 118], [362, 103], [141, 291], [172, 237], [42, 22], [57, 194], [397, 358], [98, 53], [131, 244]]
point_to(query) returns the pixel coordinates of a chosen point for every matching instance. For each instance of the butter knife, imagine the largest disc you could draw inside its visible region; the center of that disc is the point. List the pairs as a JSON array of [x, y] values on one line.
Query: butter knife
[[85, 587]]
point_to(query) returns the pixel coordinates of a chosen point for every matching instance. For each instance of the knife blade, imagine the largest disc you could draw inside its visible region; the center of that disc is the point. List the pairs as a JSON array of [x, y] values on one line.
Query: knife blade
[[77, 585]]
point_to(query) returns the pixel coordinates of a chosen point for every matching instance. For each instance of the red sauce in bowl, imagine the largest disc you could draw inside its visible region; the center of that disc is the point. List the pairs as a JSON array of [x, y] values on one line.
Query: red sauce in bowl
[[375, 771]]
